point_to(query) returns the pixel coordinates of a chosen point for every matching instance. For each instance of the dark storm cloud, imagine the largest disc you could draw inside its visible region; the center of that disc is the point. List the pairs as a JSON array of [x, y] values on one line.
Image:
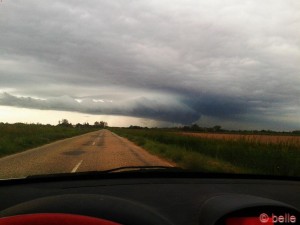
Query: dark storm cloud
[[166, 60], [219, 106], [143, 107]]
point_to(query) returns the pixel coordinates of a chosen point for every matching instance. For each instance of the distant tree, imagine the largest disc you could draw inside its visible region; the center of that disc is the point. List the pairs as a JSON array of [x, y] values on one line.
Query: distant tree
[[100, 124], [78, 125], [64, 123], [186, 128], [135, 127], [195, 127], [103, 124], [217, 128], [296, 132]]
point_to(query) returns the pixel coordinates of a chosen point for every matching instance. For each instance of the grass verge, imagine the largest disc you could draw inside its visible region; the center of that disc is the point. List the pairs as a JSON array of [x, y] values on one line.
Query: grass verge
[[20, 137]]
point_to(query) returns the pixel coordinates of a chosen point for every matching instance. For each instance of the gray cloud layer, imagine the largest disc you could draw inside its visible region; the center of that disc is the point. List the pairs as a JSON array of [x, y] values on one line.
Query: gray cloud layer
[[165, 60]]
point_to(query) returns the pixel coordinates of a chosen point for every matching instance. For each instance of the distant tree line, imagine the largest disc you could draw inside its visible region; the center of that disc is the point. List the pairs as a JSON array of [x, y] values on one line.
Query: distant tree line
[[194, 128], [197, 128], [66, 123], [219, 129]]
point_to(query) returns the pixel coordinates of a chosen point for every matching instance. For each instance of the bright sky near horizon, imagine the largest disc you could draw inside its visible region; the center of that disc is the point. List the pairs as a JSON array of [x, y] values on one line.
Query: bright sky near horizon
[[151, 63]]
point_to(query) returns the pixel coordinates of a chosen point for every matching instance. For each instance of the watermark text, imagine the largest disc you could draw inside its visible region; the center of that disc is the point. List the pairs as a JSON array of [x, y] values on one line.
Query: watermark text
[[283, 218]]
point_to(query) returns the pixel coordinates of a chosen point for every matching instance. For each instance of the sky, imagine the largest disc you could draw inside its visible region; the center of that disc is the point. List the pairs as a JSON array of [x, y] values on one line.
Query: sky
[[234, 63]]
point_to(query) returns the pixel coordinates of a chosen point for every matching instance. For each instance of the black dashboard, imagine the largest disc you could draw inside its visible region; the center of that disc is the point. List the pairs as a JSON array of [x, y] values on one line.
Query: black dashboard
[[157, 199]]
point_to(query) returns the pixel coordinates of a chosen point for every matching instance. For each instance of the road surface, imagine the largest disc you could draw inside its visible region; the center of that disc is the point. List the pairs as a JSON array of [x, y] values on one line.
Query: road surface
[[100, 150]]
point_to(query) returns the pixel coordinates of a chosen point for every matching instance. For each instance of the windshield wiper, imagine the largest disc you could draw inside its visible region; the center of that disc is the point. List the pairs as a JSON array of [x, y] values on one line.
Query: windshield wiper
[[142, 169], [114, 171]]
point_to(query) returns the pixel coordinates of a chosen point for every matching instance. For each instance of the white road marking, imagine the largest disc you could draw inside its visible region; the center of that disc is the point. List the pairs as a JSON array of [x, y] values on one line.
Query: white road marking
[[76, 167], [169, 164]]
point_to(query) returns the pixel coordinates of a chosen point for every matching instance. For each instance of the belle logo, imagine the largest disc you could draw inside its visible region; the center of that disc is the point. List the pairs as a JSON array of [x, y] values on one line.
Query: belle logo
[[285, 218]]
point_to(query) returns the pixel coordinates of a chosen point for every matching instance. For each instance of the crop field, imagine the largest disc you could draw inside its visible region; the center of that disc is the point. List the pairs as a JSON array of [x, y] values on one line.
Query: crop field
[[254, 138], [269, 155]]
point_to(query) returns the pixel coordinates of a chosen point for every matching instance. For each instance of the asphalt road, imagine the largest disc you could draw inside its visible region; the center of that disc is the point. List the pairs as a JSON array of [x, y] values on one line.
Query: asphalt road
[[100, 150]]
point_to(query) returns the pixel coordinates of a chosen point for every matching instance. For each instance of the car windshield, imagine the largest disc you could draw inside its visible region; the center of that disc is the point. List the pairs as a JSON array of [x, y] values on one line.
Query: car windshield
[[207, 86]]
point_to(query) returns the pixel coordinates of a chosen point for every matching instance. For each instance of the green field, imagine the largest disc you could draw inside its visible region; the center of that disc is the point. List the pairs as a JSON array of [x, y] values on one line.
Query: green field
[[19, 137], [211, 155]]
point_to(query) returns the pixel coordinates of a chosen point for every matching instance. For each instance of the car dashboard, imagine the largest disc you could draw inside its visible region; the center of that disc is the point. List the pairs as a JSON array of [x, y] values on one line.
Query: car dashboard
[[155, 199]]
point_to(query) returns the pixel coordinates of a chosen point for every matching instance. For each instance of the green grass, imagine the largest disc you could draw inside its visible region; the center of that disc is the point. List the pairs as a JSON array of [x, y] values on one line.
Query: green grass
[[211, 155], [19, 137]]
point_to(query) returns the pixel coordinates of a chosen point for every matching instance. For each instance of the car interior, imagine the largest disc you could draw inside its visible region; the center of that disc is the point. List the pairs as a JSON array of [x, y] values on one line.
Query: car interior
[[151, 198]]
